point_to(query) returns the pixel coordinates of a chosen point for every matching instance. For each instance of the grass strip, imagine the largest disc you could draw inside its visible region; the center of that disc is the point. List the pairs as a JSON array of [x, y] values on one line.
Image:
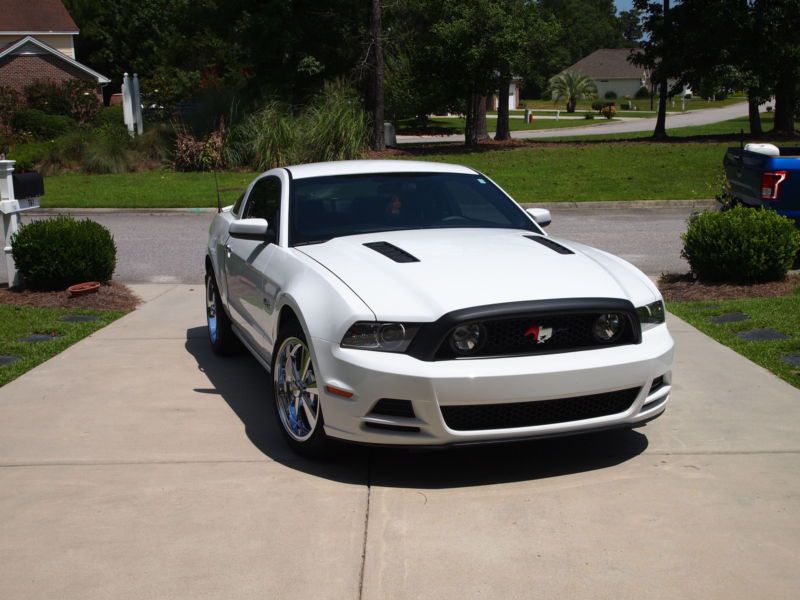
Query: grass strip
[[781, 313], [22, 321]]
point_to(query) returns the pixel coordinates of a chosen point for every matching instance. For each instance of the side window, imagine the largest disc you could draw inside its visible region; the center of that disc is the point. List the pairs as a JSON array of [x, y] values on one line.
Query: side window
[[237, 206], [264, 202]]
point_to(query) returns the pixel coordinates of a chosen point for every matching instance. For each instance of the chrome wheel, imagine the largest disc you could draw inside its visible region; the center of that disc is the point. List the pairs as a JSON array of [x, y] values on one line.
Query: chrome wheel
[[296, 392], [211, 309]]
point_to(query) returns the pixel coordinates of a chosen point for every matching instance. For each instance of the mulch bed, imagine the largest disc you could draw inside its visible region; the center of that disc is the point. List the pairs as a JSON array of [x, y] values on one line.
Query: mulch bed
[[683, 287], [114, 296]]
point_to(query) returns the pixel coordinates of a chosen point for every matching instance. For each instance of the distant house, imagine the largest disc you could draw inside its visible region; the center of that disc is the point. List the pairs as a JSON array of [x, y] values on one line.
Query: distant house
[[613, 72], [513, 95], [37, 43]]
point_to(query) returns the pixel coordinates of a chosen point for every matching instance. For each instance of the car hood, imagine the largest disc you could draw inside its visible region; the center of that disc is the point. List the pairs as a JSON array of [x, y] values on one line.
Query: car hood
[[463, 268]]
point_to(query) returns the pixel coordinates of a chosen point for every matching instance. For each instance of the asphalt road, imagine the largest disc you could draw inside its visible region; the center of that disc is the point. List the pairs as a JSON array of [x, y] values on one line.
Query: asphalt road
[[169, 247], [690, 118]]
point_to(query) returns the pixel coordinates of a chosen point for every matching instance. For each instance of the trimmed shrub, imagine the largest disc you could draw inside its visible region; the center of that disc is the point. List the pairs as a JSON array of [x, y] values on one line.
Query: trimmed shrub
[[52, 254], [740, 245], [40, 124], [610, 95], [626, 106], [598, 105], [608, 111], [589, 116], [642, 92], [109, 115]]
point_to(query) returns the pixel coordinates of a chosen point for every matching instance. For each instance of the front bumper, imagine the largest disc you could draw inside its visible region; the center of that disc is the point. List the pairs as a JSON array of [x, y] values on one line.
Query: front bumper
[[371, 376]]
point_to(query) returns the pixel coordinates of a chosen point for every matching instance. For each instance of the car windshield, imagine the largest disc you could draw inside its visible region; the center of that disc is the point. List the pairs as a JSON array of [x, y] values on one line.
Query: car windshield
[[323, 208]]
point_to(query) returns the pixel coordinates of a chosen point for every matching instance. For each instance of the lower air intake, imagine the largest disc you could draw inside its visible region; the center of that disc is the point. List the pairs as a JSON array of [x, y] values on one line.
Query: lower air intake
[[542, 412]]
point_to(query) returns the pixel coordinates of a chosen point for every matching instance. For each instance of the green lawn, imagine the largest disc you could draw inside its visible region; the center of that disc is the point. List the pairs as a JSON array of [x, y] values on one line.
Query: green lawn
[[149, 189], [458, 123], [781, 313], [563, 172], [21, 321], [625, 171]]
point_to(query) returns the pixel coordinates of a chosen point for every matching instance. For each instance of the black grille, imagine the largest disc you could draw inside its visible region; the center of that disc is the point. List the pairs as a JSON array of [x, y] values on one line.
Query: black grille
[[554, 246], [393, 408], [539, 335], [542, 412], [391, 251]]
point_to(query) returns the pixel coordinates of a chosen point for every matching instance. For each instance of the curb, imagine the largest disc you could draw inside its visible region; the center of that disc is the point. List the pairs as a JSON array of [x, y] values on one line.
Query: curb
[[622, 204], [570, 205]]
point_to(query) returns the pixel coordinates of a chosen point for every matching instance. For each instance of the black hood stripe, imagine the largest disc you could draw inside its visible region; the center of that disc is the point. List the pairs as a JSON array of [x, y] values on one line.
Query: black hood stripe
[[554, 246]]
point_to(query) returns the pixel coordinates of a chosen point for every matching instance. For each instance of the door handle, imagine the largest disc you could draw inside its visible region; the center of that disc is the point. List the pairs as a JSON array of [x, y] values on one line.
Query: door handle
[[227, 250]]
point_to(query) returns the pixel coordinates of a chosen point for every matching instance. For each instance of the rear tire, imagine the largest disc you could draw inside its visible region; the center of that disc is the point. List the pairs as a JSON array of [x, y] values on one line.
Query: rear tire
[[296, 395], [220, 331]]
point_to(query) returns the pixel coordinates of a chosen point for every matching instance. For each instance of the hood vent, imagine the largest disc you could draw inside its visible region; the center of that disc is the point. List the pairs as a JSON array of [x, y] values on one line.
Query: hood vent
[[391, 251], [554, 246]]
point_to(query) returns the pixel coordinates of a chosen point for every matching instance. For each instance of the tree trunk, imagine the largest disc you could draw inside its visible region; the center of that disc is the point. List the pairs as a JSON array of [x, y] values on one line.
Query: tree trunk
[[784, 106], [503, 130], [660, 132], [752, 111], [378, 142], [475, 130]]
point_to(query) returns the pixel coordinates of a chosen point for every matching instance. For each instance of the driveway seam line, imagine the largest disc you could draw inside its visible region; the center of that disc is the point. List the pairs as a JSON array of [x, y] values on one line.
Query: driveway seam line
[[366, 529]]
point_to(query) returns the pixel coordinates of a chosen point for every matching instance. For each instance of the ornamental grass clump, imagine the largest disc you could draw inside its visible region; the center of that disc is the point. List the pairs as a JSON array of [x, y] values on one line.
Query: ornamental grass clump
[[52, 254], [741, 245]]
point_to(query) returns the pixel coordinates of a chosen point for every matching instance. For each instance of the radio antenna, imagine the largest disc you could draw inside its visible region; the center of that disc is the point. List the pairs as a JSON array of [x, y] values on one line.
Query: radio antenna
[[216, 185]]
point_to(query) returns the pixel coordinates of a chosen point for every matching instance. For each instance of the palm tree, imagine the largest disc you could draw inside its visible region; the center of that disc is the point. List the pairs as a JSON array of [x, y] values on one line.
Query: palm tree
[[572, 86]]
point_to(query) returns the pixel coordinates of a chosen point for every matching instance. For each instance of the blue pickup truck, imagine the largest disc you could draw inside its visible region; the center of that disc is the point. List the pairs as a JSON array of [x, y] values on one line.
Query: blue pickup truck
[[767, 176]]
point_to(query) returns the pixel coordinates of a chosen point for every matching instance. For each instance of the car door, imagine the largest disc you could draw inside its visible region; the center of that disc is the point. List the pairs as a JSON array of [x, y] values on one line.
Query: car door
[[247, 261]]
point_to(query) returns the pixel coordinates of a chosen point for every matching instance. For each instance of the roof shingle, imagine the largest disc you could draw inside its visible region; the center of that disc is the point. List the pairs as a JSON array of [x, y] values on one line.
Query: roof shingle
[[608, 63], [35, 16]]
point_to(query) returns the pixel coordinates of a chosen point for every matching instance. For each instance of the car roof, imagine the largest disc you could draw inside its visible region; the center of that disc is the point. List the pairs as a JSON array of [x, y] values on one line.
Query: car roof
[[361, 167]]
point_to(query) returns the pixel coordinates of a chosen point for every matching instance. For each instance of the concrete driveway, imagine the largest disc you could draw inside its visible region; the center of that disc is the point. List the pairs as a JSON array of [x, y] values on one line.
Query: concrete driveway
[[138, 465]]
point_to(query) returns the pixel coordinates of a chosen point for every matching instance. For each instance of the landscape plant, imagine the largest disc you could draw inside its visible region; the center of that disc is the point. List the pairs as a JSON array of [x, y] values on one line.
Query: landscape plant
[[740, 245], [570, 87], [54, 253]]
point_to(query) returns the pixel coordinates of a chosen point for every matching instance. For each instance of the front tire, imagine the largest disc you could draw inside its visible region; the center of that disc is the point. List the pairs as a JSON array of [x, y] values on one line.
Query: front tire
[[296, 395], [220, 331]]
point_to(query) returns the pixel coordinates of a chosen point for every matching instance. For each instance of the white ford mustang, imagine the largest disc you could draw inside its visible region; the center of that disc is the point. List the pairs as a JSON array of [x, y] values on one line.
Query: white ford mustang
[[412, 303]]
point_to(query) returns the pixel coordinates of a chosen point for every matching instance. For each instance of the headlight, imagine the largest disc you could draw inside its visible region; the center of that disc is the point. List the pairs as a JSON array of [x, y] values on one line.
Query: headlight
[[651, 315], [383, 337], [608, 327]]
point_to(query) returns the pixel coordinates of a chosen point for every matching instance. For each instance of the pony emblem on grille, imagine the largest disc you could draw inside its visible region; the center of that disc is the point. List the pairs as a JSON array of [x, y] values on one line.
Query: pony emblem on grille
[[540, 334]]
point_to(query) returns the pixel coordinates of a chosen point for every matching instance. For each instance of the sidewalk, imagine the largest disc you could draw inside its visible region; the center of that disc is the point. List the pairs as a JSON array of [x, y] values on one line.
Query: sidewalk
[[138, 465]]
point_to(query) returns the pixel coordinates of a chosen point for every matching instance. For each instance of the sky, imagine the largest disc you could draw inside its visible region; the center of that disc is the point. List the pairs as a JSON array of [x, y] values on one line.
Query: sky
[[623, 4]]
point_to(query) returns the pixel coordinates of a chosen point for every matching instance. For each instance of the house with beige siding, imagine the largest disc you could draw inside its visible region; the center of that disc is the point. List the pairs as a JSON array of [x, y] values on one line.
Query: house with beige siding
[[612, 71], [37, 43]]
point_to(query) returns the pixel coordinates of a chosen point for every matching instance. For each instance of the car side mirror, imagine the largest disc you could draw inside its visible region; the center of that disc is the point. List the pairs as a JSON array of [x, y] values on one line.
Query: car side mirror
[[251, 229], [541, 216]]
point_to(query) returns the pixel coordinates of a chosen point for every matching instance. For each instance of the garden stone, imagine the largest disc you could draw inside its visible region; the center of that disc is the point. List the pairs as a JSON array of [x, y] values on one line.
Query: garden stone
[[731, 317], [792, 359], [35, 338], [79, 318], [761, 335], [7, 360]]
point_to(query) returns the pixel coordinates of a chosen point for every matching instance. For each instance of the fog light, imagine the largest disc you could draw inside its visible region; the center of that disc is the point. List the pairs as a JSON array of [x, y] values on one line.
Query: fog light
[[466, 339], [607, 327]]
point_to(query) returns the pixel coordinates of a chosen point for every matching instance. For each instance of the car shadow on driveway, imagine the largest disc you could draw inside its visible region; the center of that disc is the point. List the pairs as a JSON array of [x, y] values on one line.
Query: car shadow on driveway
[[245, 386]]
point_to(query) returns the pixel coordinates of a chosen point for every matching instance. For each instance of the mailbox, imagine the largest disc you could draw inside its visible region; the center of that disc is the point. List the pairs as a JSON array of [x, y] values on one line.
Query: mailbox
[[28, 185]]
